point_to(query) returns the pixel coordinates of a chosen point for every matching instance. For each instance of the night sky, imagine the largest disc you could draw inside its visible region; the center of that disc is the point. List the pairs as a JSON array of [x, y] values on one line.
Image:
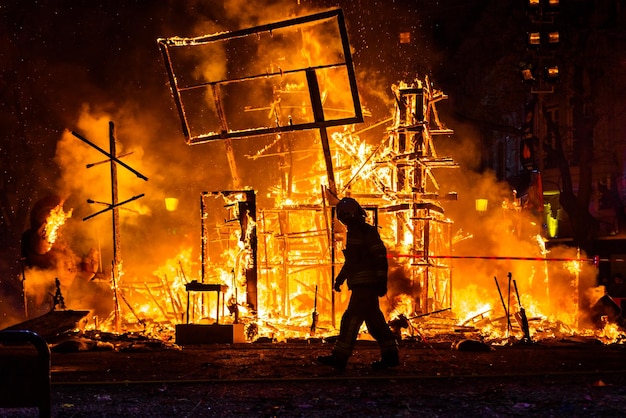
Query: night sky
[[60, 56], [67, 61], [71, 65]]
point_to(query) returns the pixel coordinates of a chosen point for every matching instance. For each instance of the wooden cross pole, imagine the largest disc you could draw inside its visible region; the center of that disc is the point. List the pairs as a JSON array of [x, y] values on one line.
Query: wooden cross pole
[[114, 208]]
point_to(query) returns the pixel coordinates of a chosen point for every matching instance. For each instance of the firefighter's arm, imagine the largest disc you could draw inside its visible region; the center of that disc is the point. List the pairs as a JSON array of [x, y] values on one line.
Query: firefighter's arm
[[345, 269], [340, 279], [380, 264]]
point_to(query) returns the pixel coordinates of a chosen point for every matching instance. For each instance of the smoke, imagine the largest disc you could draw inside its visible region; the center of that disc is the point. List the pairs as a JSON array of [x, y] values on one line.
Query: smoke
[[122, 80], [248, 14], [509, 233], [148, 140]]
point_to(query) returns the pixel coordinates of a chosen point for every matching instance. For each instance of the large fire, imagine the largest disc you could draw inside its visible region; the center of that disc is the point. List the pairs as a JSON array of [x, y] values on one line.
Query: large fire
[[277, 262]]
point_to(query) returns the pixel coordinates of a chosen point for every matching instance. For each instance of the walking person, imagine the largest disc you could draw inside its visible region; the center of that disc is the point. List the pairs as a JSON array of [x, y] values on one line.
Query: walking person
[[365, 270]]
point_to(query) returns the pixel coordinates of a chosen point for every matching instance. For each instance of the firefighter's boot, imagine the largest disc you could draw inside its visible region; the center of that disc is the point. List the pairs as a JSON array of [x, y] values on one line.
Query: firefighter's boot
[[334, 360], [388, 359]]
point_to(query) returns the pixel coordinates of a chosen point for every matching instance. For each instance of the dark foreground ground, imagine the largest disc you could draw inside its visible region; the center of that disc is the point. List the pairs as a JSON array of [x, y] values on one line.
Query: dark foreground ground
[[562, 378]]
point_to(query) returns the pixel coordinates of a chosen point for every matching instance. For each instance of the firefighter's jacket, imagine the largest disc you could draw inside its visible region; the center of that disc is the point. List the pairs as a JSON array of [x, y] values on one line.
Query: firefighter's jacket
[[365, 259]]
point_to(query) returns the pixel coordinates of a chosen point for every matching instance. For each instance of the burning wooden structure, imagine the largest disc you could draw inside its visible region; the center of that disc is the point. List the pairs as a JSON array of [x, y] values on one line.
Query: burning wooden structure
[[287, 251], [271, 253]]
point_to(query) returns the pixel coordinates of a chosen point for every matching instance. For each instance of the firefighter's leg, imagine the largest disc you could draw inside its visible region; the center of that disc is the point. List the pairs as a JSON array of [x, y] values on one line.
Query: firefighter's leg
[[348, 333], [378, 328], [350, 324]]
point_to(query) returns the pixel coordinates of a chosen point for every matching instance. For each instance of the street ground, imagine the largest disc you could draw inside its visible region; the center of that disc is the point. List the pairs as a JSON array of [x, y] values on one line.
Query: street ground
[[141, 378]]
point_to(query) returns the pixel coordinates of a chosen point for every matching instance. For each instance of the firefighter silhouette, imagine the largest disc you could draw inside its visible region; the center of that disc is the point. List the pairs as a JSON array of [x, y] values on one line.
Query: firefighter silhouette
[[365, 270]]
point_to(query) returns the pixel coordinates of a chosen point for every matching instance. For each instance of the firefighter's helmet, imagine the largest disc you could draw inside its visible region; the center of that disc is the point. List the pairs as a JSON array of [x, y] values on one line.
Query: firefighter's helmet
[[349, 209]]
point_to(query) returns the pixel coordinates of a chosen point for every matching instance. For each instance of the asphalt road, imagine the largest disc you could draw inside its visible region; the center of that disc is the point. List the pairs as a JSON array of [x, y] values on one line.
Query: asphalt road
[[578, 377]]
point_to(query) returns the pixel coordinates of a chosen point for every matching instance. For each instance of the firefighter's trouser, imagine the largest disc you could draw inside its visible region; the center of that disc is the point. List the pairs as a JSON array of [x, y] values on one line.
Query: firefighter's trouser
[[363, 307]]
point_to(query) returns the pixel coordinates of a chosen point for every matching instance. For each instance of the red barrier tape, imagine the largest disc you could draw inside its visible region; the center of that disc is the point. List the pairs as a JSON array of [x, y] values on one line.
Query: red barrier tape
[[595, 260]]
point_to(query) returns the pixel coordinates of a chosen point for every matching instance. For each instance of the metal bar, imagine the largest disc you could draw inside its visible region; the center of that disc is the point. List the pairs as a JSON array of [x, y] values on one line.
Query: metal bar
[[251, 271], [508, 300], [200, 139], [349, 65], [522, 316], [116, 225], [426, 245], [203, 237], [106, 161], [176, 42], [112, 206], [232, 164], [217, 99], [506, 312], [595, 260], [113, 158], [174, 88], [333, 250], [132, 310], [108, 205], [318, 114], [214, 84]]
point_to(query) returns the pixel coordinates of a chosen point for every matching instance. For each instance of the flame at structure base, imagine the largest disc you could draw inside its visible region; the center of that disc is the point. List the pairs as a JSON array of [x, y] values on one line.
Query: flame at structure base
[[277, 263], [271, 266]]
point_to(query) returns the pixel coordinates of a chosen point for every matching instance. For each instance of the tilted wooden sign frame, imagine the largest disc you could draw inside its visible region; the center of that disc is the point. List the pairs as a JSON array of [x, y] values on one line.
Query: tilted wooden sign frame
[[286, 76]]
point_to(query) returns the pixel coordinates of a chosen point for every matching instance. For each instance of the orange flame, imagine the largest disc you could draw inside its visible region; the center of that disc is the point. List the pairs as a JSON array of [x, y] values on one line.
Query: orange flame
[[54, 221]]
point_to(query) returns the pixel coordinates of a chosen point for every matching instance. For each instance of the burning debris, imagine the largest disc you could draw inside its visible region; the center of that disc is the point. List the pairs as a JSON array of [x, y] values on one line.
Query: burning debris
[[272, 265], [51, 269]]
